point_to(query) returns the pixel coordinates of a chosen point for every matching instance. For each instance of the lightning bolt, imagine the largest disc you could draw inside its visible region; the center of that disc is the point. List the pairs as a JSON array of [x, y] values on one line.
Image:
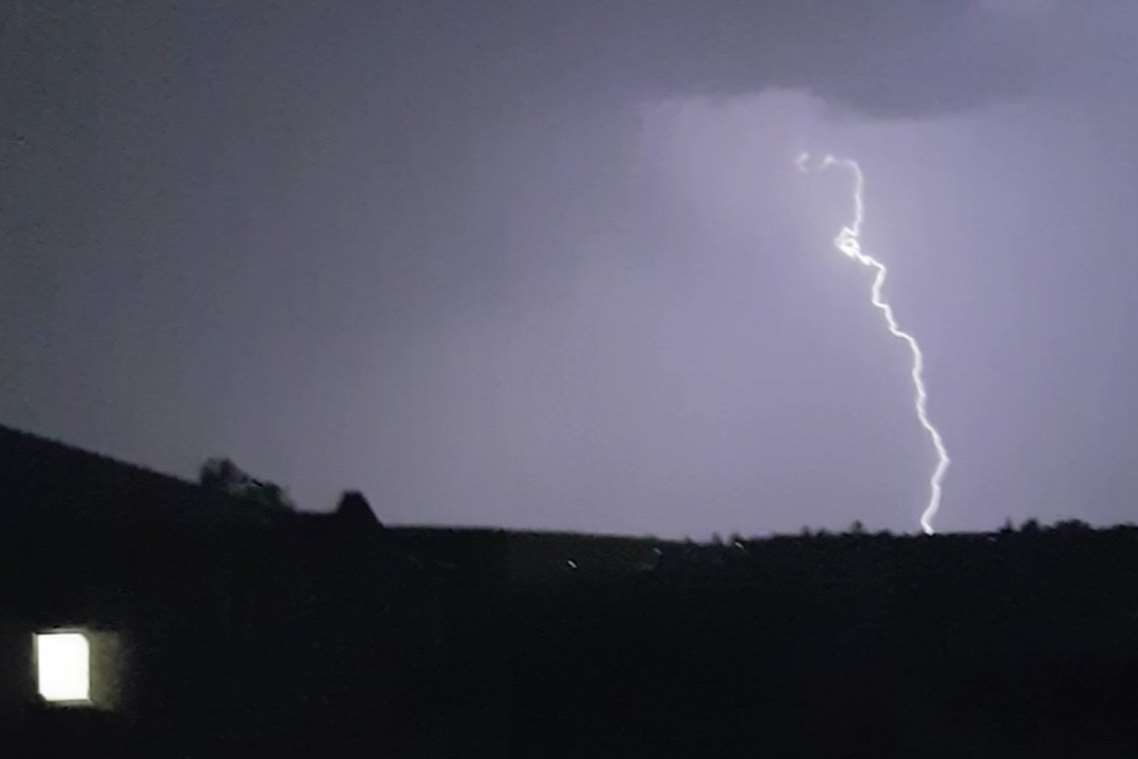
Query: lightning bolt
[[848, 242]]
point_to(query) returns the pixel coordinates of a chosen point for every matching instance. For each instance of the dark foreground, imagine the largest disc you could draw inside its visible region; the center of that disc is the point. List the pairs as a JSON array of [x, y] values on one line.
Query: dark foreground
[[219, 629]]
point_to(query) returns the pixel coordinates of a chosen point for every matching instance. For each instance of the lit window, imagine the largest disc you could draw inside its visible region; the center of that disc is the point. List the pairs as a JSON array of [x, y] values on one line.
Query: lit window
[[63, 666]]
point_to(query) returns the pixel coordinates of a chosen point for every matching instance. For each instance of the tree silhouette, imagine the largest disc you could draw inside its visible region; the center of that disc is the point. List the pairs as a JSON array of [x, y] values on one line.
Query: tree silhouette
[[222, 475], [1072, 525]]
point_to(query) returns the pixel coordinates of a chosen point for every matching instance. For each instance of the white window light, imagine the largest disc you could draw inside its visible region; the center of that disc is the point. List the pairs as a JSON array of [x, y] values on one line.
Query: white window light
[[63, 662]]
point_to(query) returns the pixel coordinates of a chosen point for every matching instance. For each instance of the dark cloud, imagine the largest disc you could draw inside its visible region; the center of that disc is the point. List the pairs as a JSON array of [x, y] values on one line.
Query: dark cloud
[[882, 57]]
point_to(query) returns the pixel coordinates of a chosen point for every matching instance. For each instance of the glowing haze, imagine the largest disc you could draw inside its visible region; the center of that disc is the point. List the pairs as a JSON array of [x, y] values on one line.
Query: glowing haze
[[848, 241]]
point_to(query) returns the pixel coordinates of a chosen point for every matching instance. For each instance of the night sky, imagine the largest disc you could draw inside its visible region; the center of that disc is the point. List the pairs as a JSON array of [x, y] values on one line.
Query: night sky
[[550, 264]]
